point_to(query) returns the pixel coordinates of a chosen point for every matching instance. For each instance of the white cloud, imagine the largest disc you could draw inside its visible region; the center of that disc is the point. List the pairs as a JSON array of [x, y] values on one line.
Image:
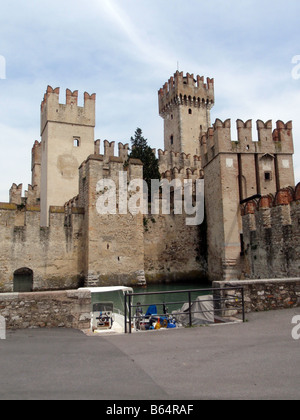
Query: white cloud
[[140, 41]]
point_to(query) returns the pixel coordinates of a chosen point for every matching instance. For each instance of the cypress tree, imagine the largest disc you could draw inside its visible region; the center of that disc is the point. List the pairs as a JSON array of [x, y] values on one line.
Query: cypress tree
[[141, 150]]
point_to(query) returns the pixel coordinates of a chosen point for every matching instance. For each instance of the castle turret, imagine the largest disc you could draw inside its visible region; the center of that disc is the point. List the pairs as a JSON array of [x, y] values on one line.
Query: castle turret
[[185, 104], [67, 132]]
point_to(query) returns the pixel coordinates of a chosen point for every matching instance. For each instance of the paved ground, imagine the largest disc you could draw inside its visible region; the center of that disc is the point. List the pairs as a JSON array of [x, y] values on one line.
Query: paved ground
[[255, 360]]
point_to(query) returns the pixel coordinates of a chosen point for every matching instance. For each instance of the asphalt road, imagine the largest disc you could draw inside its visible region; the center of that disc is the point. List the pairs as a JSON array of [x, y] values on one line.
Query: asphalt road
[[255, 360]]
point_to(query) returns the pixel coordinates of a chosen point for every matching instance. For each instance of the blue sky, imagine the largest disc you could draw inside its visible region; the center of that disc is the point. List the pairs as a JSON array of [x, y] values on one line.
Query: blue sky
[[125, 50]]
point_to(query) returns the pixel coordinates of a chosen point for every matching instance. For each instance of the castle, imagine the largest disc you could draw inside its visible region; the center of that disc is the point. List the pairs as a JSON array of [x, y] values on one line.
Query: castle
[[54, 238]]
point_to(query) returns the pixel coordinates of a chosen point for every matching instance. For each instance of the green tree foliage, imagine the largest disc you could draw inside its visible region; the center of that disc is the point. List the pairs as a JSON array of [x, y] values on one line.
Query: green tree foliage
[[141, 150]]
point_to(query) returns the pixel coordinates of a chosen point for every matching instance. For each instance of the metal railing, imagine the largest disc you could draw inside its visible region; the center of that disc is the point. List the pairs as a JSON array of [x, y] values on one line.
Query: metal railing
[[225, 301]]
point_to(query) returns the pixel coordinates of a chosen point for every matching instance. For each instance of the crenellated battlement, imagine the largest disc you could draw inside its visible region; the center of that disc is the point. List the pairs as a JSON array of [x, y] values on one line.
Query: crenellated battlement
[[182, 174], [70, 112], [109, 150], [283, 197], [31, 195], [271, 210], [172, 161], [218, 139], [15, 194], [123, 150], [71, 97], [186, 90]]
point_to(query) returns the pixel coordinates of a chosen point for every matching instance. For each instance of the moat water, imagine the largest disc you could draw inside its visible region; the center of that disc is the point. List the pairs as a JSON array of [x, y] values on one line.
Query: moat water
[[173, 301]]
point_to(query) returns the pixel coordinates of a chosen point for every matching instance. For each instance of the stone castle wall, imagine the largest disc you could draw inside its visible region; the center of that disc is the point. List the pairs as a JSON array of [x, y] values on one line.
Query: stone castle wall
[[52, 253], [81, 246], [77, 244], [271, 229], [174, 252]]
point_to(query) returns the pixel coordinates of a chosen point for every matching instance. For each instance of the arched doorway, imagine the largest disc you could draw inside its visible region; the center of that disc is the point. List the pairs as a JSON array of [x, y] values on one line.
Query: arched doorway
[[23, 280]]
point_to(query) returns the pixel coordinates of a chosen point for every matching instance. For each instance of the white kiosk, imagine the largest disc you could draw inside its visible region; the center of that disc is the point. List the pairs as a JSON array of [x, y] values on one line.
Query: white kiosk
[[108, 311]]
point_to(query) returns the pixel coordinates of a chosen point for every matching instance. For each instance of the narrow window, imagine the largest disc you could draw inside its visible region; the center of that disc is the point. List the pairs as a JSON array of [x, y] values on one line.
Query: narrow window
[[172, 139], [190, 111], [242, 245], [76, 143], [268, 176]]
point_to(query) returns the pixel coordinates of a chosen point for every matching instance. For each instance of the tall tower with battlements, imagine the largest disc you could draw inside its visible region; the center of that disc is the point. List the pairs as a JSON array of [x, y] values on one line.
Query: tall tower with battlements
[[67, 132], [185, 104]]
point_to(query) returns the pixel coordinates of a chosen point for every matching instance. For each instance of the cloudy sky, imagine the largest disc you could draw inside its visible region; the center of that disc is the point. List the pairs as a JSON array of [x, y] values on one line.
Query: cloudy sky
[[125, 50]]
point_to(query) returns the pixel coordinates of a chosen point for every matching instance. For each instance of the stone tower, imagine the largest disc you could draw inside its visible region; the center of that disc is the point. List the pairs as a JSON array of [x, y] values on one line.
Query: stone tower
[[113, 243], [185, 104], [67, 133], [235, 171]]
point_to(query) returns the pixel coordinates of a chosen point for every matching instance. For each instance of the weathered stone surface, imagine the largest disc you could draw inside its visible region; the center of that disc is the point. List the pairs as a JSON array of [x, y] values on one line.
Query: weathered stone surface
[[272, 250], [69, 309], [266, 294]]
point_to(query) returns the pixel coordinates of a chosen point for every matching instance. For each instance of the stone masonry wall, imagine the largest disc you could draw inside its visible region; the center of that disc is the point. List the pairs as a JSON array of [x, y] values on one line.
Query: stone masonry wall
[[68, 309], [265, 294], [174, 252]]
